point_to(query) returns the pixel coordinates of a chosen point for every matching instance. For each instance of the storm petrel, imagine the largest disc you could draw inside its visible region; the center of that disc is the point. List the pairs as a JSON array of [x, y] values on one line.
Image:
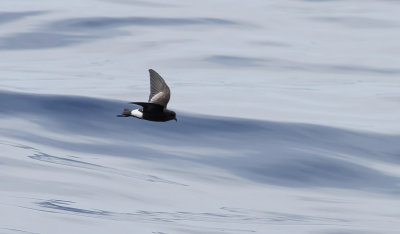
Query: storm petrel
[[156, 108]]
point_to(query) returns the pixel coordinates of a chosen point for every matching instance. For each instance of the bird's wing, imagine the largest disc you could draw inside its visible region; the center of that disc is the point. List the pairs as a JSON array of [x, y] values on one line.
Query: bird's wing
[[159, 90], [150, 107]]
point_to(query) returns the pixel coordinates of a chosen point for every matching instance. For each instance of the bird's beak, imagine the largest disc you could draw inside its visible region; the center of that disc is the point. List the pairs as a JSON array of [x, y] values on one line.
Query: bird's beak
[[175, 119]]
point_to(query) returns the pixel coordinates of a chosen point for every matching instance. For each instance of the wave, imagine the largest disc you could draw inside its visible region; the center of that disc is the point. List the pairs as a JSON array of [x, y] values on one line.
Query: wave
[[266, 152]]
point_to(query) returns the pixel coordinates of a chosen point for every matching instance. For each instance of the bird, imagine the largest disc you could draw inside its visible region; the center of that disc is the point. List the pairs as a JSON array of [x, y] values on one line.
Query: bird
[[156, 108]]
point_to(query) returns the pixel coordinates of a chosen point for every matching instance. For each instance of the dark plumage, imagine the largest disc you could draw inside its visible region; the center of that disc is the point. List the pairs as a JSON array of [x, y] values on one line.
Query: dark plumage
[[156, 108]]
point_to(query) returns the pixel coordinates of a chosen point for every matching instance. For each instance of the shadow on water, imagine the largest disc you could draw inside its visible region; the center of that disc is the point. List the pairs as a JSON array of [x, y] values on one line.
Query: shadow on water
[[285, 154]]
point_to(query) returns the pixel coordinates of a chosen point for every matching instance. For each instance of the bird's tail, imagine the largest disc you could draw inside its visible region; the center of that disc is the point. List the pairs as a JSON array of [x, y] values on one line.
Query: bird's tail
[[125, 113]]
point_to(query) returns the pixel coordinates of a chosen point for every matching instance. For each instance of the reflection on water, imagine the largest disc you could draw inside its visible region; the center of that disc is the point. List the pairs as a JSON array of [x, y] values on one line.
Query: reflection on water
[[285, 154], [83, 30], [101, 23], [7, 17], [289, 65], [359, 22]]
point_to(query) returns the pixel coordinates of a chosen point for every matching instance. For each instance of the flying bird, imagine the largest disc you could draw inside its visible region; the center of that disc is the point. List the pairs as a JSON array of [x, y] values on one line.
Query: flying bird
[[156, 108]]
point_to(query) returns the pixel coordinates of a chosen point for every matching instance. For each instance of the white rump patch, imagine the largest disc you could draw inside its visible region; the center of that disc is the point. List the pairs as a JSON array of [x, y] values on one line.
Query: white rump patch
[[137, 113]]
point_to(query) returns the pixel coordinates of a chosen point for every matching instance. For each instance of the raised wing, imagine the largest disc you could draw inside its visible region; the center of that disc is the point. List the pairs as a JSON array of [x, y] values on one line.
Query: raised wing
[[159, 90], [150, 107]]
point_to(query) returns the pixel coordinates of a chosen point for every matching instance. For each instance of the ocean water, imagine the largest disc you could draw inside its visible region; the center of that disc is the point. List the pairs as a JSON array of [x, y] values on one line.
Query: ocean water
[[287, 117]]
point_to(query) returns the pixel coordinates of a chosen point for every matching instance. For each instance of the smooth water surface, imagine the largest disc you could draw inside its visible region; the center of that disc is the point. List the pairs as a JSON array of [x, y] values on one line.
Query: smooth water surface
[[288, 117]]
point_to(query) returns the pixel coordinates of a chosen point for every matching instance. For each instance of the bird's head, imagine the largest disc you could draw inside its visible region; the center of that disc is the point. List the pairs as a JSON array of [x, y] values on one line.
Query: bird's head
[[171, 115], [174, 115]]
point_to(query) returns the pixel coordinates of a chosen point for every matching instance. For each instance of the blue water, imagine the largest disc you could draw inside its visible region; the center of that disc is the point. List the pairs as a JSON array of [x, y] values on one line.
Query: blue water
[[263, 74], [284, 154]]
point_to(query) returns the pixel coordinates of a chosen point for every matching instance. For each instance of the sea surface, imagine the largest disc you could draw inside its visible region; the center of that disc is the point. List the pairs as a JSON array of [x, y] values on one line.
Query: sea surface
[[288, 117]]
